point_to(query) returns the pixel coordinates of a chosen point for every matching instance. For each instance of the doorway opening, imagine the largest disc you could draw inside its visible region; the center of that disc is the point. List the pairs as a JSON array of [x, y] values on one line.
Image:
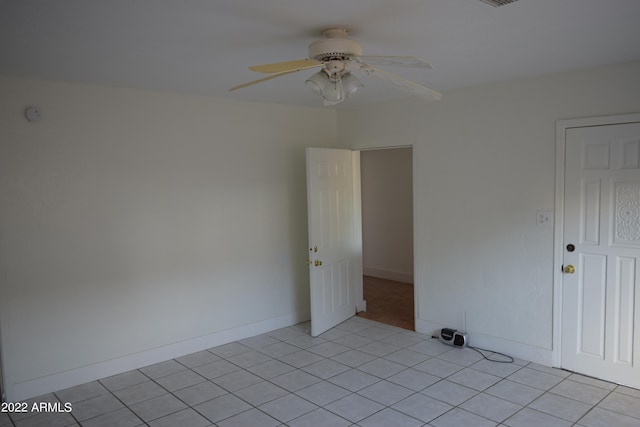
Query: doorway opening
[[387, 235]]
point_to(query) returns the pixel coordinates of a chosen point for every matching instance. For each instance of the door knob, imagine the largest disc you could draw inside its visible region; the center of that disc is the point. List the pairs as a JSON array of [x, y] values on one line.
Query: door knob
[[308, 262], [569, 269], [318, 263]]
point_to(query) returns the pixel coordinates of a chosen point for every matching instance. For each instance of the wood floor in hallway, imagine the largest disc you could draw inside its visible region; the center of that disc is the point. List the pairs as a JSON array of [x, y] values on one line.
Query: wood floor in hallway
[[389, 302]]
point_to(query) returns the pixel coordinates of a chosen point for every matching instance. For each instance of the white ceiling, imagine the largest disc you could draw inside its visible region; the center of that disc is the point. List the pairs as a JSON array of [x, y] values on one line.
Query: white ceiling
[[205, 46]]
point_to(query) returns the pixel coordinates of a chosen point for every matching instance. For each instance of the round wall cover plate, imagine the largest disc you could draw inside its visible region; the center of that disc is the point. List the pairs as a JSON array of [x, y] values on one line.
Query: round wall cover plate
[[32, 114]]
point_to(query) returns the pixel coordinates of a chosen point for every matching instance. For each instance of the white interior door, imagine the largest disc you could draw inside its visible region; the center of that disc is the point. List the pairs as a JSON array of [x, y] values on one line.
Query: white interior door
[[335, 254], [601, 248]]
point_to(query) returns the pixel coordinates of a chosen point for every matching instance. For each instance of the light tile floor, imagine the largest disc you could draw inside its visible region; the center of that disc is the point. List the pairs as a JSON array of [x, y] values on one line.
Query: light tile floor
[[360, 373]]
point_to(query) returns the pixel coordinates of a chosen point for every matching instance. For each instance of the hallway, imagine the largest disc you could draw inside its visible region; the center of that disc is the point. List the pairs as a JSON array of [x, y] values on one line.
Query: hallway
[[389, 302]]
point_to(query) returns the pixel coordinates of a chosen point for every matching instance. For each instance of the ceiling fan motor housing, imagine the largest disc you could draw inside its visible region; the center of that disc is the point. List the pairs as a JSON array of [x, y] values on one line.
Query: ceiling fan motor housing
[[335, 46]]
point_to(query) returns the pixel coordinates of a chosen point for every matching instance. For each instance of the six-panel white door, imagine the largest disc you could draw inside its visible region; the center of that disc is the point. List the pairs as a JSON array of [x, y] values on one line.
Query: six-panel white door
[[600, 299], [333, 249]]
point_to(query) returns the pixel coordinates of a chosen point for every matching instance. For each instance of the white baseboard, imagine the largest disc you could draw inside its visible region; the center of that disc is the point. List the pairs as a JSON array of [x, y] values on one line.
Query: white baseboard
[[84, 374], [389, 275], [515, 349]]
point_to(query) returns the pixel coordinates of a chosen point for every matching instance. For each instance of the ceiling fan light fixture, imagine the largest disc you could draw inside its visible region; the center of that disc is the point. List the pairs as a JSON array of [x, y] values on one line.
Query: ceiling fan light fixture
[[350, 84], [333, 91], [331, 88], [317, 82]]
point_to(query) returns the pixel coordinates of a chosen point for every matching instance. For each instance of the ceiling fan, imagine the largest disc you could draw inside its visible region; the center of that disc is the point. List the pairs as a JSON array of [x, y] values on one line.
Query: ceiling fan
[[338, 56]]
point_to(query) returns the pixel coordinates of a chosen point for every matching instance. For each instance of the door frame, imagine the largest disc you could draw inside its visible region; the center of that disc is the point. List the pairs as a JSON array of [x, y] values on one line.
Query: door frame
[[362, 304], [558, 236]]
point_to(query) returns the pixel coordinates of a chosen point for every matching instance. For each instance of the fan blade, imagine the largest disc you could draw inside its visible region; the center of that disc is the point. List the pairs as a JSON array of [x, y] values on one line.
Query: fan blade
[[279, 67], [264, 79], [403, 61], [404, 84]]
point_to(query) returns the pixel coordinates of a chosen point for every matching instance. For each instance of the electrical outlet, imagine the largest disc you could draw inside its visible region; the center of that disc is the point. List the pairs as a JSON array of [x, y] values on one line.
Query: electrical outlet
[[544, 218]]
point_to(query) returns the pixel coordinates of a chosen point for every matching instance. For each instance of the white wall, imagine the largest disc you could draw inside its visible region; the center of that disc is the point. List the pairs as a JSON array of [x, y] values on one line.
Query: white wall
[[484, 162], [134, 225], [387, 213], [138, 226]]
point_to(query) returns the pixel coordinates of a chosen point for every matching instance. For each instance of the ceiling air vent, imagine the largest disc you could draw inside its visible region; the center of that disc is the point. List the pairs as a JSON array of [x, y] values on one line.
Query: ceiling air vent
[[496, 3]]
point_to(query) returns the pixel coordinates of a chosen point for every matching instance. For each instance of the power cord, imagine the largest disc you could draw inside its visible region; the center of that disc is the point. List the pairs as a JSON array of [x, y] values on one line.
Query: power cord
[[480, 350], [508, 358]]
